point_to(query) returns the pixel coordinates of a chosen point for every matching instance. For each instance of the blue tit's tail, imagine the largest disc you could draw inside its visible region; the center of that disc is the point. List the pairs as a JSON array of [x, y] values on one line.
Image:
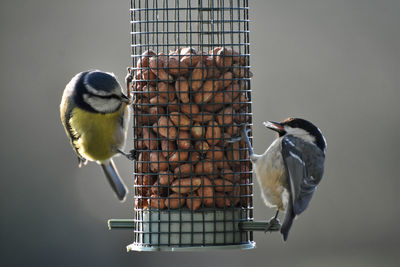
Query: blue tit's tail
[[288, 221], [114, 179]]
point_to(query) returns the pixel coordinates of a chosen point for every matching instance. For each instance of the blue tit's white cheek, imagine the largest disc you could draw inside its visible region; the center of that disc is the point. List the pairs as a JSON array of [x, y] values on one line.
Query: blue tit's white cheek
[[100, 104], [300, 133]]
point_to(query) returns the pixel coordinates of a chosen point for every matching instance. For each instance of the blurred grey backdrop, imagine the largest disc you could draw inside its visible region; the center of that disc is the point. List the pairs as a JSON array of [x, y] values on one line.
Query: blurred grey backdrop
[[335, 62]]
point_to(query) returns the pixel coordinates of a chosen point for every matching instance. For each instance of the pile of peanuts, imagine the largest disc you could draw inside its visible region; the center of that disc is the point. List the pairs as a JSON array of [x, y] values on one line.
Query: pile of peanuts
[[187, 105]]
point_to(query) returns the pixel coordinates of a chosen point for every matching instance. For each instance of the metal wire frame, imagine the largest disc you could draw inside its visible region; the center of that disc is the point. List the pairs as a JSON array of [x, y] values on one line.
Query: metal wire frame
[[204, 26]]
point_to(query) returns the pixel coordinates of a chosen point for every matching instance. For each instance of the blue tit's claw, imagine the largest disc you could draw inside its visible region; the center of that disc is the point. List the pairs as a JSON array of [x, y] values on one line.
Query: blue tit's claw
[[132, 155], [82, 161]]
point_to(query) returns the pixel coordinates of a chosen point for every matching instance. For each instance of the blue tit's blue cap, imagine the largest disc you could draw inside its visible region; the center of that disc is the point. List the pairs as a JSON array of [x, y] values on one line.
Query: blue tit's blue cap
[[101, 81]]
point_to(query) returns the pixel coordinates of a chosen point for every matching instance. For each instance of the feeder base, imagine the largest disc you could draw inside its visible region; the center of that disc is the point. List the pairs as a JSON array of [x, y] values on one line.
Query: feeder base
[[135, 247], [184, 230]]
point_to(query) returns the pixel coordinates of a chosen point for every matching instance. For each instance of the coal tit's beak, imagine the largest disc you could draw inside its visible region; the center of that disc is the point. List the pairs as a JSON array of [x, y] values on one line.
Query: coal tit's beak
[[275, 126]]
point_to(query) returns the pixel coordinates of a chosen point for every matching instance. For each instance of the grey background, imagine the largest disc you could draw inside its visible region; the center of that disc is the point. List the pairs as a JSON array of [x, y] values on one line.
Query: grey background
[[335, 62]]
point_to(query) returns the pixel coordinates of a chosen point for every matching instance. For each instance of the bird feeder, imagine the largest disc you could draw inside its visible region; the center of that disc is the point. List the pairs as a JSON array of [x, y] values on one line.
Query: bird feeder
[[191, 74]]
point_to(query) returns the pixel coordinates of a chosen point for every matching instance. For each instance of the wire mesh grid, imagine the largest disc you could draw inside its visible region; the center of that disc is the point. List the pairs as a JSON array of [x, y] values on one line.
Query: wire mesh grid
[[193, 178]]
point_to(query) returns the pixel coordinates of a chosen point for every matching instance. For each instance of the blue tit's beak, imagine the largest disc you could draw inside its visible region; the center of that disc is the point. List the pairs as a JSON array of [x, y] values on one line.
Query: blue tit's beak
[[275, 126], [125, 99]]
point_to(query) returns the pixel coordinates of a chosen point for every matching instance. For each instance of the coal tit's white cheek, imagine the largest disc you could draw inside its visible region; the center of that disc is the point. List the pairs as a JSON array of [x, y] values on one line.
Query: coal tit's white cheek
[[300, 133], [104, 105]]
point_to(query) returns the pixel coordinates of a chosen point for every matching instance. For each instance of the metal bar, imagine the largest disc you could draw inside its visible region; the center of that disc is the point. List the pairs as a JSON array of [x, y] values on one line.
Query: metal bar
[[269, 226], [264, 226], [120, 224]]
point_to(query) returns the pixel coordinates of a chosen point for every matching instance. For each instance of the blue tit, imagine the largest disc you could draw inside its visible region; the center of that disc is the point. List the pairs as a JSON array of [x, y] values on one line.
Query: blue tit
[[95, 114], [291, 168]]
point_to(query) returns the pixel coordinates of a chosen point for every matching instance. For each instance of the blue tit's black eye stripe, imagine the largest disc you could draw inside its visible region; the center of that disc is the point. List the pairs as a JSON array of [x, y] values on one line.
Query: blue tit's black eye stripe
[[80, 90]]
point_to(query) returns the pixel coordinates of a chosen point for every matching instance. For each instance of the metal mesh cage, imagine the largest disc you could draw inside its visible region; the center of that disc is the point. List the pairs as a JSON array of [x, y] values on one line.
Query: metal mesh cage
[[193, 184]]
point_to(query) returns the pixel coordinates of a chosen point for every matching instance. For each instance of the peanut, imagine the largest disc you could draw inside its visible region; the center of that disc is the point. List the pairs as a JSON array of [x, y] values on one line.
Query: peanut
[[226, 79], [185, 185], [202, 146], [204, 168], [178, 157], [149, 91], [194, 157], [213, 133], [158, 162], [190, 109], [175, 201], [159, 189], [166, 128], [222, 185], [157, 202], [156, 100], [143, 62], [184, 140], [225, 117], [203, 117], [149, 139], [235, 194], [176, 67], [157, 65], [197, 130], [215, 154], [165, 177], [166, 90], [148, 76], [180, 120], [198, 75], [182, 89], [206, 192], [222, 200], [173, 106], [155, 113], [224, 58], [168, 147], [184, 170], [193, 201], [229, 175], [232, 153], [206, 92], [190, 56]]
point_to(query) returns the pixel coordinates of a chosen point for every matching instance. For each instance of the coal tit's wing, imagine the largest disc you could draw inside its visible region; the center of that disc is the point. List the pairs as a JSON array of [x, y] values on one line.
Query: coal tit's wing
[[302, 184]]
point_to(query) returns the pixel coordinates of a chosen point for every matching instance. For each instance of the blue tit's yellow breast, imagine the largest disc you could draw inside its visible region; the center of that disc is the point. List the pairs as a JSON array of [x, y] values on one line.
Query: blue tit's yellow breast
[[98, 135]]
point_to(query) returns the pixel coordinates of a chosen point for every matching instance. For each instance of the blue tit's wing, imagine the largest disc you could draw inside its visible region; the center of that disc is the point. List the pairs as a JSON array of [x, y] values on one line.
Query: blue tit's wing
[[302, 184], [66, 106]]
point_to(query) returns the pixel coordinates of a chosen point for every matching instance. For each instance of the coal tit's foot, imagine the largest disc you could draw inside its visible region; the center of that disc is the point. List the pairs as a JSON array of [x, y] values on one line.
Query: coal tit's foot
[[234, 139], [273, 224], [240, 137]]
